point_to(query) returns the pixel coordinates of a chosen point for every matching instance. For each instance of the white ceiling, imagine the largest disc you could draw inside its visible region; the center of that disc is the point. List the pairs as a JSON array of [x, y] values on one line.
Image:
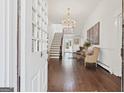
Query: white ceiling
[[80, 9]]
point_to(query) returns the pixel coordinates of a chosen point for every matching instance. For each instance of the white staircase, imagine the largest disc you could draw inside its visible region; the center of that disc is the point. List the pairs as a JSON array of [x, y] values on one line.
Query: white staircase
[[55, 47]]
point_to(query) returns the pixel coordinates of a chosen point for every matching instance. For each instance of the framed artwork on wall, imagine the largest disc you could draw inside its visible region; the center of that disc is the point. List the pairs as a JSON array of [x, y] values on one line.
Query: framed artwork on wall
[[93, 34], [96, 33], [88, 35], [76, 41]]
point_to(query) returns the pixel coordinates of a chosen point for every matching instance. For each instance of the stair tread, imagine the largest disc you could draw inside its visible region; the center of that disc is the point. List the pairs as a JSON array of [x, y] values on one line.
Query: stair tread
[[54, 57], [53, 54], [55, 47], [53, 51], [56, 44]]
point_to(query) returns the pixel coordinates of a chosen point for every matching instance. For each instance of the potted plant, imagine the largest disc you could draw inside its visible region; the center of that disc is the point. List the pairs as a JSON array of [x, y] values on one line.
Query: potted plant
[[87, 44]]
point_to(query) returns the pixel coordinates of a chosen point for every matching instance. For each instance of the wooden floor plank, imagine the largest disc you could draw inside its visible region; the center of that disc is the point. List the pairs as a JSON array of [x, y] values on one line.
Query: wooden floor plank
[[69, 75]]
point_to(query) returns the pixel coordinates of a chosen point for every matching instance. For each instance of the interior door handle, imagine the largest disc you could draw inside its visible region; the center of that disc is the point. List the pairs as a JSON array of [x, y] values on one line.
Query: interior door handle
[[41, 54], [122, 52]]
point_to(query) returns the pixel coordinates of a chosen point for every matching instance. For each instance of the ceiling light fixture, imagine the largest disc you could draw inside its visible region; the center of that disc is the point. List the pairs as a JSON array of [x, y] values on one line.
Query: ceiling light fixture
[[67, 21]]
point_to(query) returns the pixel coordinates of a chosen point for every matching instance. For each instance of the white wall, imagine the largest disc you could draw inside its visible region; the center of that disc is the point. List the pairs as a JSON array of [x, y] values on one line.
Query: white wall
[[57, 28], [50, 36], [107, 12]]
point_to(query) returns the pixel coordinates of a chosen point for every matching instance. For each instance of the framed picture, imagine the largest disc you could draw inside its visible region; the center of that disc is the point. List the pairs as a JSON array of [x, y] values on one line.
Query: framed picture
[[76, 41], [93, 34], [88, 35]]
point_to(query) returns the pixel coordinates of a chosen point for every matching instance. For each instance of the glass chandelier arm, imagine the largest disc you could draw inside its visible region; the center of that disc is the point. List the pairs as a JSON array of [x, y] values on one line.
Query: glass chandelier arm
[[67, 20]]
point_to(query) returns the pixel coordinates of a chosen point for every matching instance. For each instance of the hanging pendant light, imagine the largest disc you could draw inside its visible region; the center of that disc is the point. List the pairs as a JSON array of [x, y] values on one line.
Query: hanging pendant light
[[67, 21]]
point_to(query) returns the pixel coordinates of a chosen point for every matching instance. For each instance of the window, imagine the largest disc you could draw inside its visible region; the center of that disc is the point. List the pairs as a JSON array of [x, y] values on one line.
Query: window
[[39, 25]]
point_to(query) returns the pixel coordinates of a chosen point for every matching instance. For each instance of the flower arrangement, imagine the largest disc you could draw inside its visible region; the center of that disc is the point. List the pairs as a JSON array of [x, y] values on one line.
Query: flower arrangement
[[87, 44]]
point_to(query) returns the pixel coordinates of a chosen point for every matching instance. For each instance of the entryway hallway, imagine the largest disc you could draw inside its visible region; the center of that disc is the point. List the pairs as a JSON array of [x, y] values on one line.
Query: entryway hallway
[[34, 34], [69, 75]]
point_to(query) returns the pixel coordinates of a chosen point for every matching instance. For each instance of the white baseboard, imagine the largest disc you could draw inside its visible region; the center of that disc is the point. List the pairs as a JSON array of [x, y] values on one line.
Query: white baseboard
[[108, 69], [105, 66]]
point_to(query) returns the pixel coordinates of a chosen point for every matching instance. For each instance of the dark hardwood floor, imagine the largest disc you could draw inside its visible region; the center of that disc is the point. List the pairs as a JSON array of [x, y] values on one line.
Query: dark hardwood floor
[[69, 75]]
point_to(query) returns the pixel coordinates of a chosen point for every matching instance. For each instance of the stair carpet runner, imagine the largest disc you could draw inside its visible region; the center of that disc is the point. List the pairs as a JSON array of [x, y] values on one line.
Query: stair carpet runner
[[55, 47]]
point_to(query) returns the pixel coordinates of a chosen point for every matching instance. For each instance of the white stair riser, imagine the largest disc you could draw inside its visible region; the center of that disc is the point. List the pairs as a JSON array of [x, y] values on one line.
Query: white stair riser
[[54, 54], [54, 57], [55, 45], [54, 49]]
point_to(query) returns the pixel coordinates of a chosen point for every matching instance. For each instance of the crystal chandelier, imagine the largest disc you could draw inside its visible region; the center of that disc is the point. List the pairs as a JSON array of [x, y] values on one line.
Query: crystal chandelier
[[67, 21]]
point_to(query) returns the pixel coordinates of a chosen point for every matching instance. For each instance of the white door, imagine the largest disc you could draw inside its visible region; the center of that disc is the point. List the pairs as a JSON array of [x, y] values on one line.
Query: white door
[[119, 41], [118, 45], [34, 45]]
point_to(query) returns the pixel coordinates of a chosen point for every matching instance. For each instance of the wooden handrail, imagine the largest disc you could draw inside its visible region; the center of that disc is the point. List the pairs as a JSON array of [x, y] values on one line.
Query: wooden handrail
[[61, 46]]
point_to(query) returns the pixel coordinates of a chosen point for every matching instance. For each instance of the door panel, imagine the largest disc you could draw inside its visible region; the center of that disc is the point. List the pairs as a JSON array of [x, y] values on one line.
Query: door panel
[[36, 22], [39, 45], [36, 82]]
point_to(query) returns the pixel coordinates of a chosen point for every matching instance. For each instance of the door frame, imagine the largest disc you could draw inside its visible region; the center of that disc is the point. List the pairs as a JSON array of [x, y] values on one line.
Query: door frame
[[8, 27], [122, 51], [25, 5], [11, 43], [22, 43]]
